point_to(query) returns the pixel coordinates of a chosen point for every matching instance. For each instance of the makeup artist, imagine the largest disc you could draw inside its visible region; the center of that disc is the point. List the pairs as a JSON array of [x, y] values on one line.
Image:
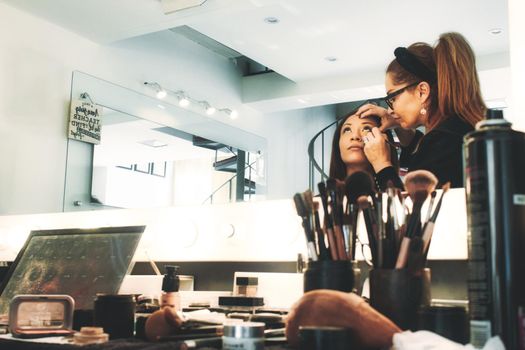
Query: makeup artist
[[348, 155], [437, 88]]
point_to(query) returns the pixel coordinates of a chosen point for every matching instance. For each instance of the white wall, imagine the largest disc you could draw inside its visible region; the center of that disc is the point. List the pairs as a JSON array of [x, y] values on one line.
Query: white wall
[[290, 132], [36, 62]]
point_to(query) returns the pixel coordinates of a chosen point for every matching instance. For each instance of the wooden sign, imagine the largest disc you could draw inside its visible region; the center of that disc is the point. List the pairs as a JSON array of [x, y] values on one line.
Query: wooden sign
[[84, 121]]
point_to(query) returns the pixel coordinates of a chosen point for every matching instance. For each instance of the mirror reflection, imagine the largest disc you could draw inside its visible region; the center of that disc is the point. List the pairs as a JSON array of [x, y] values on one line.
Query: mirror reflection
[[140, 164]]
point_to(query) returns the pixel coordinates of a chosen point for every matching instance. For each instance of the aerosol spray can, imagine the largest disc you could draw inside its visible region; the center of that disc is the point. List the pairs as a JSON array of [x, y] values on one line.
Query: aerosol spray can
[[494, 160]]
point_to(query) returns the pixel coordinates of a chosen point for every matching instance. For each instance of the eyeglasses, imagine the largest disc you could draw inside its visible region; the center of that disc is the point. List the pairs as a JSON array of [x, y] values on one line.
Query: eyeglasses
[[389, 99]]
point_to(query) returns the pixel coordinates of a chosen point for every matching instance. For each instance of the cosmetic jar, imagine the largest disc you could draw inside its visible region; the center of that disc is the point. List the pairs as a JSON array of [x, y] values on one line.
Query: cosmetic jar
[[116, 314], [243, 336], [325, 338], [90, 335]]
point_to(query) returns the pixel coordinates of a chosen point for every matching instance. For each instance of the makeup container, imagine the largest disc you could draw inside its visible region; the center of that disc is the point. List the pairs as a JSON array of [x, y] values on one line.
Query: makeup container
[[170, 288], [495, 190], [399, 293], [36, 316], [329, 274], [115, 313], [246, 286], [325, 338], [90, 335], [243, 336], [448, 321]]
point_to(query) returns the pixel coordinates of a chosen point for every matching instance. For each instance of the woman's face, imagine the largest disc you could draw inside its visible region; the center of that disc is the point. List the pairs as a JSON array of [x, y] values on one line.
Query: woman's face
[[406, 106], [351, 140]]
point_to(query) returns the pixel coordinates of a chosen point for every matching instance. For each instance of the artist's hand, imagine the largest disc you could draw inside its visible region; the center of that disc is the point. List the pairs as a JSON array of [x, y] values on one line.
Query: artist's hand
[[377, 151], [387, 119]]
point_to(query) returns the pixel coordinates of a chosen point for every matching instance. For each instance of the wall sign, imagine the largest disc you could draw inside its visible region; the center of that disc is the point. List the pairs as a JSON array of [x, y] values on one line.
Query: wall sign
[[84, 121]]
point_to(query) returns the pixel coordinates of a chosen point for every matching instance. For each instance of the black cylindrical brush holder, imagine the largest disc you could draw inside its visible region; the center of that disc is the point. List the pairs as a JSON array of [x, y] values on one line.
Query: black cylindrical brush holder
[[329, 274]]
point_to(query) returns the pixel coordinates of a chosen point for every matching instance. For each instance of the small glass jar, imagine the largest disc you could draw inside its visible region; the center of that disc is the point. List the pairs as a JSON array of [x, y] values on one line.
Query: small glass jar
[[243, 336]]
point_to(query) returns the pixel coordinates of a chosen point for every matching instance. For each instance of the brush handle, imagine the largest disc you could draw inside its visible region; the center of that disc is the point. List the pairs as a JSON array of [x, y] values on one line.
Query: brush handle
[[340, 243], [324, 254], [331, 243], [402, 257]]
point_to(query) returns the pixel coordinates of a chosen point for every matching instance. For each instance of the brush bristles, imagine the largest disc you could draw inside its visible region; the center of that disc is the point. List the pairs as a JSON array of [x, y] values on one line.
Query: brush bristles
[[420, 180], [308, 200], [358, 184], [363, 202]]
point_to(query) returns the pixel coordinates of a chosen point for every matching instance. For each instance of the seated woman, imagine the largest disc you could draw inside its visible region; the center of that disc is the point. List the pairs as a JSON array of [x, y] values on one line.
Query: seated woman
[[348, 154]]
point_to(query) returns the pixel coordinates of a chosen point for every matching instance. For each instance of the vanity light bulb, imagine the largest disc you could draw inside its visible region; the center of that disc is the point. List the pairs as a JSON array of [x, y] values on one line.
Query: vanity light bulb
[[234, 114], [161, 94], [184, 102], [210, 110]]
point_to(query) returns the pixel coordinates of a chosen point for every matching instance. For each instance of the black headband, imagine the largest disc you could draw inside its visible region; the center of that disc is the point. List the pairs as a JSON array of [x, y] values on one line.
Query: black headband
[[413, 65]]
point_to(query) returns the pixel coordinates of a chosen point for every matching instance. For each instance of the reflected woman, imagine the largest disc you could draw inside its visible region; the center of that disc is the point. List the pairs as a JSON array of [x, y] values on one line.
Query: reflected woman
[[348, 154]]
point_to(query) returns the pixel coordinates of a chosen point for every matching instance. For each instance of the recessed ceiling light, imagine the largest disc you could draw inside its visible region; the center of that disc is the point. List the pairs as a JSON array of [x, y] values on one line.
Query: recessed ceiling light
[[271, 20], [153, 143], [495, 31], [330, 58]]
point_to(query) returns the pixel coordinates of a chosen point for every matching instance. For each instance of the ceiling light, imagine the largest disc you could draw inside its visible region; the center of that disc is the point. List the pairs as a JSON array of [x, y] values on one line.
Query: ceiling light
[[330, 58], [232, 113], [209, 109], [271, 20], [160, 92], [184, 100], [495, 31], [154, 143]]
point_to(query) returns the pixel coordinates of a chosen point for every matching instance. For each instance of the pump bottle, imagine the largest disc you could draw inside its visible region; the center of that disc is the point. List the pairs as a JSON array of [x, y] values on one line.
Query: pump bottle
[[170, 288]]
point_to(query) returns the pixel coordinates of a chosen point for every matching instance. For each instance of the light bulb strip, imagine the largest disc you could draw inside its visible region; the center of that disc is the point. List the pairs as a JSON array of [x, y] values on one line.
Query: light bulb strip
[[183, 96]]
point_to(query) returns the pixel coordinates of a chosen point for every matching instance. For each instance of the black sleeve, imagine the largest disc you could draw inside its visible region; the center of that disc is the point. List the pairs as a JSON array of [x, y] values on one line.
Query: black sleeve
[[440, 153], [385, 175], [406, 152]]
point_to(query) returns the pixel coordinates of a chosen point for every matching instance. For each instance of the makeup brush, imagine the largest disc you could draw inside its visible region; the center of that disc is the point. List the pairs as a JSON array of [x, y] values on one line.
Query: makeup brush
[[359, 187], [328, 221], [428, 229], [419, 184], [337, 215], [302, 211], [324, 254], [430, 205]]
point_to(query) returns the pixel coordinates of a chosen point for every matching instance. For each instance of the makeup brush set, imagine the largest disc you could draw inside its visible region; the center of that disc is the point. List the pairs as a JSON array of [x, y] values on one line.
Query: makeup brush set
[[397, 236]]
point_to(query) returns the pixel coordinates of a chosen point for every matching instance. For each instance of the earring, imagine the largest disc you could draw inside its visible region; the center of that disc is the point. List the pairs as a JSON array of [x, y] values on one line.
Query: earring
[[423, 111]]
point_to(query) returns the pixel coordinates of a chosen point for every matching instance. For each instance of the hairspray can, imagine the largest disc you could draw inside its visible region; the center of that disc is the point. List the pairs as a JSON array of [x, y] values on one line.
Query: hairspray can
[[494, 160]]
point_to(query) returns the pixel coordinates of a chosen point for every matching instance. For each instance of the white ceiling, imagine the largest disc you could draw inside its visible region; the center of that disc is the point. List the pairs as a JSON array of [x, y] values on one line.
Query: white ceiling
[[360, 34]]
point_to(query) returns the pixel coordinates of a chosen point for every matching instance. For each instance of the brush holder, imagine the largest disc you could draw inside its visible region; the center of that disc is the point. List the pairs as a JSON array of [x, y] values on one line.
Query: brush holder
[[328, 274], [399, 293]]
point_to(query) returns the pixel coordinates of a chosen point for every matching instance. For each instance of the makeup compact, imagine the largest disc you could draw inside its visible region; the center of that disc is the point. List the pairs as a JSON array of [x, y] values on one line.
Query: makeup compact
[[35, 316]]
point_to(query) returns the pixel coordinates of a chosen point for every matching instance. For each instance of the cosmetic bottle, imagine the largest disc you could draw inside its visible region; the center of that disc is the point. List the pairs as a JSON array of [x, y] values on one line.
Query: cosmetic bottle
[[243, 336], [495, 192], [170, 288]]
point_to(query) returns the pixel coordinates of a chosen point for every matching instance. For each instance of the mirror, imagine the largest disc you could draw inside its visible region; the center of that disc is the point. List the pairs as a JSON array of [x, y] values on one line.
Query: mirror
[[140, 164], [156, 154]]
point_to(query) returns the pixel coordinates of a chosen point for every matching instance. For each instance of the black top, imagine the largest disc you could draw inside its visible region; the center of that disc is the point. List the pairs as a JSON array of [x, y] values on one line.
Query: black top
[[440, 151]]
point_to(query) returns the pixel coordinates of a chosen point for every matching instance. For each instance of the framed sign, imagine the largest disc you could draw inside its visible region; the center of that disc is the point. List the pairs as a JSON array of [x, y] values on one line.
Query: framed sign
[[84, 121]]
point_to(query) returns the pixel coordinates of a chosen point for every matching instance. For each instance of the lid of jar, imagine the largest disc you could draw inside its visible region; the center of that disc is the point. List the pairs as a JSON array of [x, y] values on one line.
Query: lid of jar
[[244, 330], [115, 297], [333, 338]]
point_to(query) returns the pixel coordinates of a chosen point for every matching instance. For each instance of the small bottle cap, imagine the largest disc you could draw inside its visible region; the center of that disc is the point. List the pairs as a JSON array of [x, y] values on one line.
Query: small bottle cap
[[171, 282], [244, 330]]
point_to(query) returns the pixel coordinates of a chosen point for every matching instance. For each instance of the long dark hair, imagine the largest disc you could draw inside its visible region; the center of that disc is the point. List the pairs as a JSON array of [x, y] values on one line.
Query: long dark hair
[[456, 90], [337, 166]]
